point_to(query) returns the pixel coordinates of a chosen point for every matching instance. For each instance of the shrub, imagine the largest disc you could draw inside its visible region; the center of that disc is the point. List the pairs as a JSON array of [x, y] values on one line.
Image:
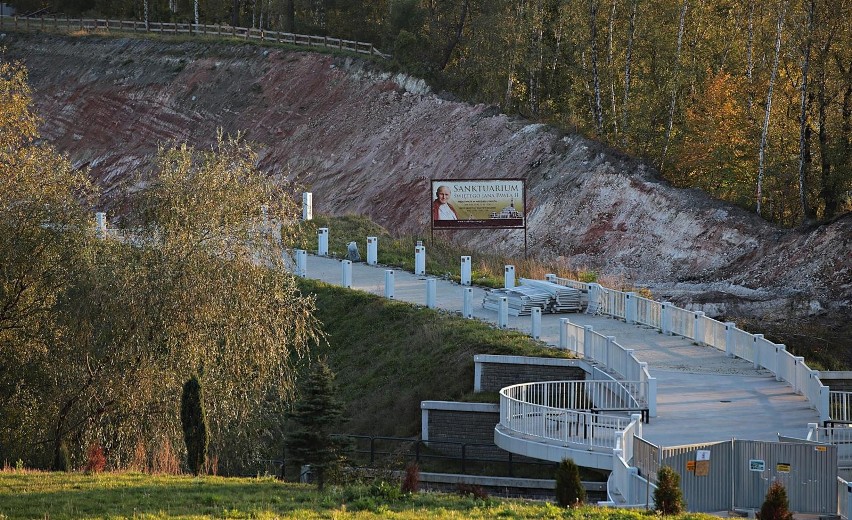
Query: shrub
[[569, 488], [668, 498], [194, 422], [62, 460], [95, 460], [472, 490], [775, 506], [411, 482]]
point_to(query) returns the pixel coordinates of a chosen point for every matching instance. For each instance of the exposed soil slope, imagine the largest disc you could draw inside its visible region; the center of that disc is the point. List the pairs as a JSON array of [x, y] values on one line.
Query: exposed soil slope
[[367, 142]]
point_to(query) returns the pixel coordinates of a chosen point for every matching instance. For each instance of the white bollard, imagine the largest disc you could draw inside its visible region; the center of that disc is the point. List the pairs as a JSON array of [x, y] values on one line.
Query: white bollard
[[431, 288], [322, 241], [465, 270], [346, 273], [509, 276], [536, 322], [665, 318], [503, 313], [729, 338], [100, 224], [307, 206], [301, 263], [698, 327], [419, 259], [372, 250], [389, 284], [467, 308]]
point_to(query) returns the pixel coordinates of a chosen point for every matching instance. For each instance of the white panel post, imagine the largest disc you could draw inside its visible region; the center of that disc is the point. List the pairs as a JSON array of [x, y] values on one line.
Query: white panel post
[[419, 259], [346, 273], [797, 384], [779, 350], [630, 308], [755, 348], [307, 206], [467, 306], [665, 318], [322, 241], [301, 263], [698, 327], [563, 333], [536, 322], [509, 276], [729, 338], [389, 284], [100, 224], [431, 287], [372, 250], [503, 313], [465, 270]]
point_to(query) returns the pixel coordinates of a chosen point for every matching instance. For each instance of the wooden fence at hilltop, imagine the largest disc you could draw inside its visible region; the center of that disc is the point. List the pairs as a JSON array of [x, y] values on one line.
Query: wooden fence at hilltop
[[57, 24]]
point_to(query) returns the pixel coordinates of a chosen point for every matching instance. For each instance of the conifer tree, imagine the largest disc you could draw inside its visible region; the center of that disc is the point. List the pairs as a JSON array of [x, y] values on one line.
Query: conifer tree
[[668, 498], [569, 487], [314, 416], [776, 506], [194, 421]]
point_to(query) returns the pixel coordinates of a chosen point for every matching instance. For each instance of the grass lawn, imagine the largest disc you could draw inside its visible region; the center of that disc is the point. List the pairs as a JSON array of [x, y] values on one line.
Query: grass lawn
[[55, 496]]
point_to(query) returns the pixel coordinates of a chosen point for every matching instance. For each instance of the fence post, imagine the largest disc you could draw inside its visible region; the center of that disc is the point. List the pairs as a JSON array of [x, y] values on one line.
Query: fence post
[[594, 297], [666, 318], [509, 276], [372, 250], [630, 308], [467, 305], [419, 259], [563, 333], [431, 288], [798, 360], [698, 327], [823, 407], [779, 349], [652, 396], [389, 284], [756, 349], [550, 277], [587, 342], [465, 270], [322, 241], [536, 322], [729, 338], [346, 273], [307, 206], [609, 348], [503, 313], [301, 263]]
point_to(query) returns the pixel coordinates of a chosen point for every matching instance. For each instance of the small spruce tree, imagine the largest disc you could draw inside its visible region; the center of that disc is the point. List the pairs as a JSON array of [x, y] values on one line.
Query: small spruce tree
[[775, 506], [668, 498], [194, 422], [569, 487], [313, 417]]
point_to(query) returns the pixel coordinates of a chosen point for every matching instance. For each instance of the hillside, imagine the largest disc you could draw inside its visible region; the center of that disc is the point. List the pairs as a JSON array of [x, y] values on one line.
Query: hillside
[[367, 142]]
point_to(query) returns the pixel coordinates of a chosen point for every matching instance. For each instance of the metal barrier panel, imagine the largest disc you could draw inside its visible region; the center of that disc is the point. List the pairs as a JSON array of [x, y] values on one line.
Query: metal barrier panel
[[786, 366], [840, 406], [648, 312], [807, 471], [714, 333], [682, 322], [706, 487], [841, 438], [597, 350], [844, 489], [743, 346]]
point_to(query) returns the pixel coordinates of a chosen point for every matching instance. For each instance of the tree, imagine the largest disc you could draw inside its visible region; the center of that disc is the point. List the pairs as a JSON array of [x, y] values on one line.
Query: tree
[[569, 488], [668, 498], [194, 421], [775, 506], [313, 417]]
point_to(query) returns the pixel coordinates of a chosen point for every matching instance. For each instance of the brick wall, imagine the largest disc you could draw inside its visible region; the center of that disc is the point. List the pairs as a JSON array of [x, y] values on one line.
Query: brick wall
[[496, 372]]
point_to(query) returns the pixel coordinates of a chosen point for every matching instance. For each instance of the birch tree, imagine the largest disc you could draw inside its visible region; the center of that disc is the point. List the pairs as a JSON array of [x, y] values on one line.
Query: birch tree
[[782, 10]]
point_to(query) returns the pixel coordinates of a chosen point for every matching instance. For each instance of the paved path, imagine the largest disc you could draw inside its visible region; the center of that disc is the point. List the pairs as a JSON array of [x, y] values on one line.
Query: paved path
[[702, 394]]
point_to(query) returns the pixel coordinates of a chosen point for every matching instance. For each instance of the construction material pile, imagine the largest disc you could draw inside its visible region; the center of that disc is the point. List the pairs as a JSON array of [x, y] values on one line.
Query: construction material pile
[[547, 296]]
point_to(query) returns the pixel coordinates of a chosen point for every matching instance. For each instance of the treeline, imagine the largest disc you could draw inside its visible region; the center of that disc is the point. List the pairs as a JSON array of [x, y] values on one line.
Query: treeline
[[750, 101]]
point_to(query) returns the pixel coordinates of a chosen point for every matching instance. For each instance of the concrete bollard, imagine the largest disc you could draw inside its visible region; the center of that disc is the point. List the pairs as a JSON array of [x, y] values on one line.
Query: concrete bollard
[[322, 241], [509, 276], [301, 263], [419, 259], [503, 313], [307, 206], [346, 273], [467, 307], [535, 327], [465, 270], [431, 288], [389, 284], [372, 250]]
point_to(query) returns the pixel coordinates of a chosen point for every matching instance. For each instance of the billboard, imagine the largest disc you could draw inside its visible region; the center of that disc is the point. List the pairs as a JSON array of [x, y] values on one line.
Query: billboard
[[481, 203]]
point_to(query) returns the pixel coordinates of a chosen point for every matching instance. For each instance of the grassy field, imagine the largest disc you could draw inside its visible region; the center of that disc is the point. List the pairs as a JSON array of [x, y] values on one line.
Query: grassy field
[[58, 496]]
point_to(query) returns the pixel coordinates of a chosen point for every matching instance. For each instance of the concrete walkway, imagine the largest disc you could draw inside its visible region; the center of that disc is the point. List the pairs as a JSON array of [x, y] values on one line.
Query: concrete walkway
[[703, 396]]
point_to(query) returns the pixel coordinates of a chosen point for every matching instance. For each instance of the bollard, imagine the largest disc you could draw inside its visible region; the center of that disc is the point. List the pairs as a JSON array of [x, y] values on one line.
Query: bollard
[[419, 259], [322, 241], [307, 206], [372, 250], [465, 270], [346, 273], [729, 338], [301, 263], [509, 276], [698, 328], [536, 322], [101, 224], [503, 313], [389, 284], [431, 288], [665, 318], [467, 308]]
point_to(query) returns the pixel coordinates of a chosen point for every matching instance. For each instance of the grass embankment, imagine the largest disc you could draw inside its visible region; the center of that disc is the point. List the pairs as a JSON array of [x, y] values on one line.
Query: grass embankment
[[58, 496]]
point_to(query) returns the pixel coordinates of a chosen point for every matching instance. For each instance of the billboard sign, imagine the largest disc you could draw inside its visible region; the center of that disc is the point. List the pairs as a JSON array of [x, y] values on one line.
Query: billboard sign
[[482, 203]]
